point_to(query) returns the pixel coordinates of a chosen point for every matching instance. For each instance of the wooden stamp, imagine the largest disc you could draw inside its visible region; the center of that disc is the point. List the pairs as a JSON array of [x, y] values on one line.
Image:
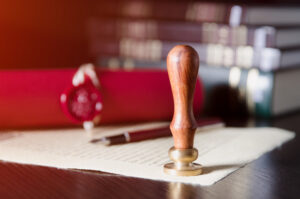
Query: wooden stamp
[[183, 65]]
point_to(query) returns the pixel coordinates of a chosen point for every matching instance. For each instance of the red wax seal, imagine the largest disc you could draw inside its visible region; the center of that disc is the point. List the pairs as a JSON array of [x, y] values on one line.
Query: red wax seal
[[82, 103]]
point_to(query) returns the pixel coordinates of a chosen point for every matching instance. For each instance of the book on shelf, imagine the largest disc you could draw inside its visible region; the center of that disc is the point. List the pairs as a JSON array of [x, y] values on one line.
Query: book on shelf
[[206, 33], [236, 90], [202, 12], [49, 98], [265, 59]]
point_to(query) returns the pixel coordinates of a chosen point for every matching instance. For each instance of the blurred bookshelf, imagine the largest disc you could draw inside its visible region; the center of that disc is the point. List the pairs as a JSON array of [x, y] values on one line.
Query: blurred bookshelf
[[249, 50]]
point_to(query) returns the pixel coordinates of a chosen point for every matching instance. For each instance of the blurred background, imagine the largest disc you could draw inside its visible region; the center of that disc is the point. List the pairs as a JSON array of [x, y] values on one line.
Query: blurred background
[[43, 34], [231, 37], [37, 34]]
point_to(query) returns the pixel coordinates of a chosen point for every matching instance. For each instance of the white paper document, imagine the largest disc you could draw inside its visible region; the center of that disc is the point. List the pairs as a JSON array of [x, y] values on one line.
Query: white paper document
[[221, 151]]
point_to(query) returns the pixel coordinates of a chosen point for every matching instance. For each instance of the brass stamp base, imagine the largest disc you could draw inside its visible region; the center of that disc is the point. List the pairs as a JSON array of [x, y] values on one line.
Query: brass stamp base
[[192, 169], [183, 162]]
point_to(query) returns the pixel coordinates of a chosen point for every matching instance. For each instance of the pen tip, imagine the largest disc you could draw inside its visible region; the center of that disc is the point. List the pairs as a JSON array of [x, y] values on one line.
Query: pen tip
[[94, 140], [103, 141]]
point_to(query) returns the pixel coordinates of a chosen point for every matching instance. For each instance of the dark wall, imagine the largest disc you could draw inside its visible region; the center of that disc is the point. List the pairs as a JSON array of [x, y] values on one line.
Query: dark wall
[[43, 34]]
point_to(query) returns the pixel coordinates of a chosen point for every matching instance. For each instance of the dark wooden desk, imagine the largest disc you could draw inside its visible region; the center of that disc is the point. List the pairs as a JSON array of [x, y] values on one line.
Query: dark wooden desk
[[274, 175]]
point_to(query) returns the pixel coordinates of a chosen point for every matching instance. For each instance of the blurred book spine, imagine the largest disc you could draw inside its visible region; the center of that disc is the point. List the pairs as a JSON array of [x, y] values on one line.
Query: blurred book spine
[[266, 59], [232, 14], [206, 33]]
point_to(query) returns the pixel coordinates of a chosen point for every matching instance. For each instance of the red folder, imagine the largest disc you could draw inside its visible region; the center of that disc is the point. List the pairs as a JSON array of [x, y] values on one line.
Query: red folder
[[31, 98]]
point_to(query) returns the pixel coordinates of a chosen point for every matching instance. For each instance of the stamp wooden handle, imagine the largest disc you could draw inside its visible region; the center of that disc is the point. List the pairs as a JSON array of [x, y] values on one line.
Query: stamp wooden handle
[[183, 65]]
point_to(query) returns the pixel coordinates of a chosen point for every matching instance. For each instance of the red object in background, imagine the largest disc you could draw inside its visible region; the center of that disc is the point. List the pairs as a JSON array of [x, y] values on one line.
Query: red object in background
[[31, 98], [82, 103]]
